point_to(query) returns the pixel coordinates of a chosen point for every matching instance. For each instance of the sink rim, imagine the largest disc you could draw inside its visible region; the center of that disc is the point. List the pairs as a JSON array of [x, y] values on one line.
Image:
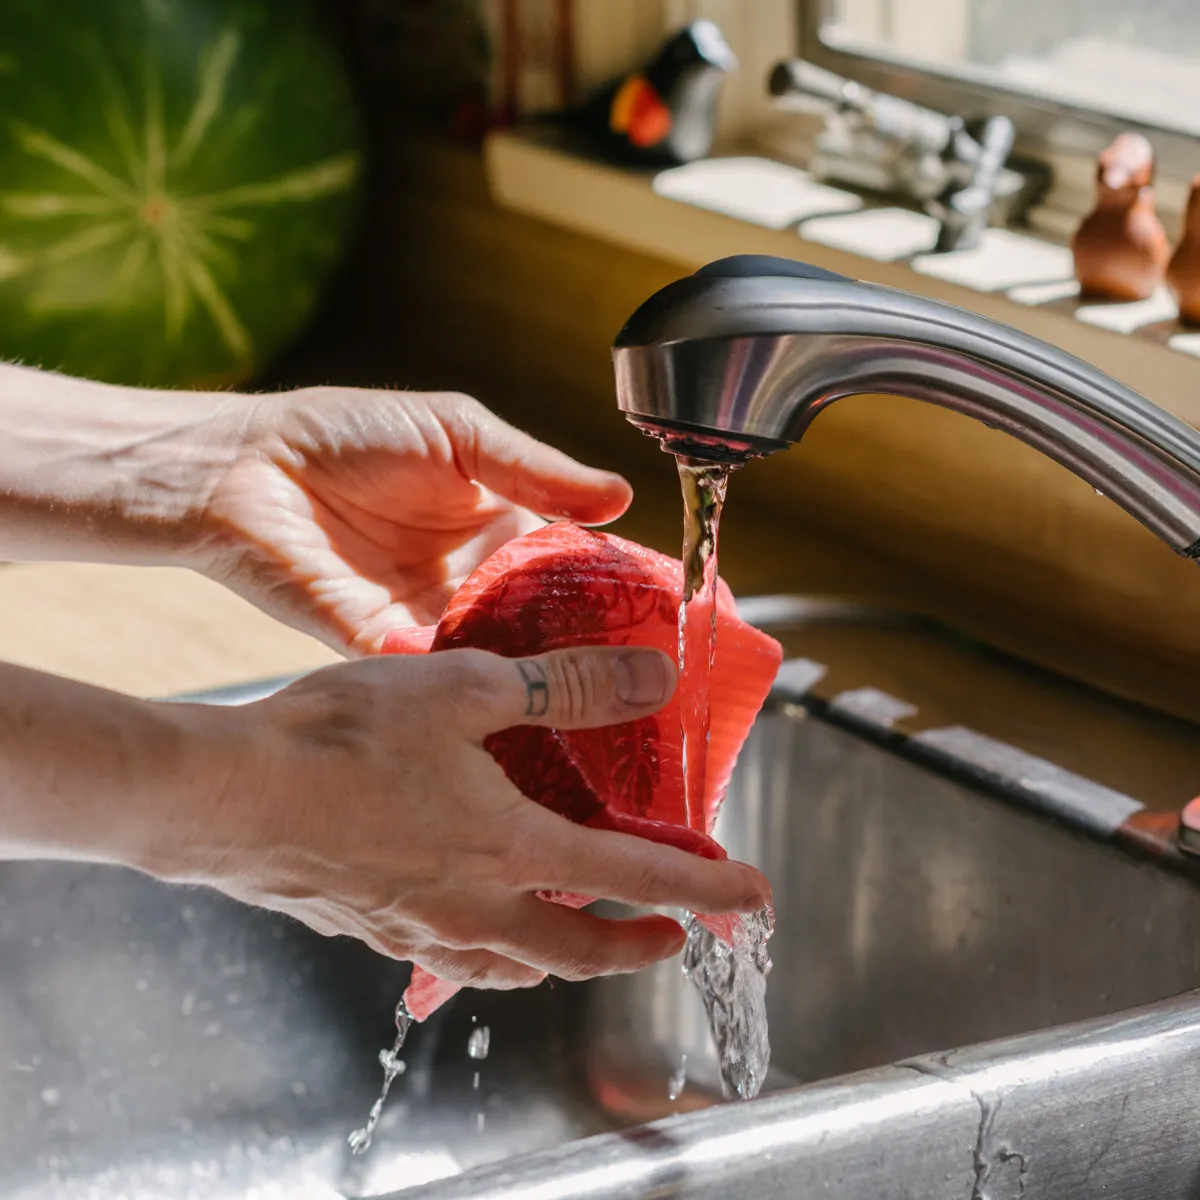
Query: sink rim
[[996, 1095]]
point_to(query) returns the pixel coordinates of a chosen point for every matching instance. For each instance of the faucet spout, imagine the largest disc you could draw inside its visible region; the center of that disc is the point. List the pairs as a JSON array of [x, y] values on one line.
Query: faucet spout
[[737, 360]]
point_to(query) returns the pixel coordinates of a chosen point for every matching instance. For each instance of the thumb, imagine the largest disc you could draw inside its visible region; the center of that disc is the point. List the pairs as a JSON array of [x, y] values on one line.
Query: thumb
[[579, 688]]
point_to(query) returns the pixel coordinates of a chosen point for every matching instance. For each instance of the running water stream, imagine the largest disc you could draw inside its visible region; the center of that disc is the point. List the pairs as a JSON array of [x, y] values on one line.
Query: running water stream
[[731, 980], [393, 1065], [703, 487]]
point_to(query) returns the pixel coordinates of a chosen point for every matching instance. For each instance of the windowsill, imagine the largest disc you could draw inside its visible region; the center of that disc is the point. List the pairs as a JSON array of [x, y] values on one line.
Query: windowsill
[[1019, 279]]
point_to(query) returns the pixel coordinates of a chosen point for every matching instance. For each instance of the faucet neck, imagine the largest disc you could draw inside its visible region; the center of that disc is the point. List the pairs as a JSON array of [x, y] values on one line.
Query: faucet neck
[[728, 365]]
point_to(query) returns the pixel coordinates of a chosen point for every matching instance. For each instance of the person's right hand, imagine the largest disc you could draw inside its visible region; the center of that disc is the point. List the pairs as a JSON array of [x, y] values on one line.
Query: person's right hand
[[364, 803]]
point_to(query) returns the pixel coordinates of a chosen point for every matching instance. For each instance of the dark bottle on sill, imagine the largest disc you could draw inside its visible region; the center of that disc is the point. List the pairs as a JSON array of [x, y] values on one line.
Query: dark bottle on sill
[[1121, 248], [1183, 271], [666, 113]]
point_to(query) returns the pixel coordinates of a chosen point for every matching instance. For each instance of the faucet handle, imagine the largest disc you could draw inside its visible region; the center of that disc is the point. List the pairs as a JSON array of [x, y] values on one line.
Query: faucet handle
[[760, 266]]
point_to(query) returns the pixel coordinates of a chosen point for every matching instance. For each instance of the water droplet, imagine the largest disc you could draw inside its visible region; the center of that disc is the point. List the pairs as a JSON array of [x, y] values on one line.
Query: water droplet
[[479, 1042], [51, 1097], [391, 1064], [475, 1082], [298, 1089], [678, 1080], [480, 1122]]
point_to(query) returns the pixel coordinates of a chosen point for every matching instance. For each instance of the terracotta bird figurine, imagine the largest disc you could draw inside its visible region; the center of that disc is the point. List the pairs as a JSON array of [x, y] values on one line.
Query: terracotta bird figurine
[[1121, 248], [1183, 271]]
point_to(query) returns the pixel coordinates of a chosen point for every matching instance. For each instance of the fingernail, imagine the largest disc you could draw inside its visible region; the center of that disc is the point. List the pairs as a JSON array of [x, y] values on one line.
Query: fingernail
[[758, 892], [642, 678]]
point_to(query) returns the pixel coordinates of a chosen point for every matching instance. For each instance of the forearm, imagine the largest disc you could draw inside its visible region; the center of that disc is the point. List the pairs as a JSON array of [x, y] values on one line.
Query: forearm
[[92, 775], [91, 472]]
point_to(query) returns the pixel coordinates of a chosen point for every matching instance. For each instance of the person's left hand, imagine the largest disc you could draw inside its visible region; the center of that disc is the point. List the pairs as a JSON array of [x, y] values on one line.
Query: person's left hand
[[349, 513]]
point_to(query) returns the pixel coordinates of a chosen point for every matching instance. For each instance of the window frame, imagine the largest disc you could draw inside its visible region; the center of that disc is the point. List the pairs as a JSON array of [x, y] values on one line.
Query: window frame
[[1045, 128]]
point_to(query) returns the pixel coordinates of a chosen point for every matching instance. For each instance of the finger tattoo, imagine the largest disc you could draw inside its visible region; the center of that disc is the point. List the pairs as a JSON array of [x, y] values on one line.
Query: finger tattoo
[[537, 688]]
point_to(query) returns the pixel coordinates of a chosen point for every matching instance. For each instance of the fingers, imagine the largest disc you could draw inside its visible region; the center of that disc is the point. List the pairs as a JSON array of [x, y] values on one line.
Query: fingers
[[529, 473], [578, 945], [579, 688], [479, 968], [563, 856]]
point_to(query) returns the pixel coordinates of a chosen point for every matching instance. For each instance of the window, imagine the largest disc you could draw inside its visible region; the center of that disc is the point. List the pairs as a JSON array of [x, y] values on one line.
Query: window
[[1069, 72]]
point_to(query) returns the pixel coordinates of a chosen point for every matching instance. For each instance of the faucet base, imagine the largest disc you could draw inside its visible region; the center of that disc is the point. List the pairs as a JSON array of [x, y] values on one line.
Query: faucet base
[[703, 444]]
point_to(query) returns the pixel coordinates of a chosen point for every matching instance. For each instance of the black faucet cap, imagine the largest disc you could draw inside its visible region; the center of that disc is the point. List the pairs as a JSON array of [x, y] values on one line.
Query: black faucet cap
[[715, 301], [757, 266]]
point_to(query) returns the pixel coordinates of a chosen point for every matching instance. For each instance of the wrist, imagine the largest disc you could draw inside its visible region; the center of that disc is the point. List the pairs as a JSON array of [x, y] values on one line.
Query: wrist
[[197, 791], [92, 775], [91, 471]]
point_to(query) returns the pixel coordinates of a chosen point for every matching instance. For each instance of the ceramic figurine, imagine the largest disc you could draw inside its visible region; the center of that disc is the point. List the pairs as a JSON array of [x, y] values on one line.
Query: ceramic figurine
[[1121, 248], [667, 112], [1183, 271]]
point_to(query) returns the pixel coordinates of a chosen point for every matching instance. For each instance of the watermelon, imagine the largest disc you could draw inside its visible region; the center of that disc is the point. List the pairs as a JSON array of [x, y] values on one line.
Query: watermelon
[[566, 586], [178, 178]]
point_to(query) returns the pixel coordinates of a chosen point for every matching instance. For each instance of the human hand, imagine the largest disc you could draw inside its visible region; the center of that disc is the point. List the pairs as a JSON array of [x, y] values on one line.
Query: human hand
[[364, 803], [349, 513]]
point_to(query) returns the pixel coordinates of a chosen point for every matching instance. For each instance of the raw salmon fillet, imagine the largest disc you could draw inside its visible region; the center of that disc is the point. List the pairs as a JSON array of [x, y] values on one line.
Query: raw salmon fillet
[[566, 586]]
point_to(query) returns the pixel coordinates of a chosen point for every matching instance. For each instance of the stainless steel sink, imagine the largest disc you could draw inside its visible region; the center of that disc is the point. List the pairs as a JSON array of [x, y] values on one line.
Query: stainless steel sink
[[961, 848]]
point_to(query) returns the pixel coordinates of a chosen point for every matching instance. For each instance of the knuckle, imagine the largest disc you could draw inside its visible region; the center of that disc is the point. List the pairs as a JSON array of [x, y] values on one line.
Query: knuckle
[[567, 848], [466, 676], [581, 684], [510, 866], [454, 934], [460, 404], [531, 978], [476, 972], [470, 970], [649, 883], [510, 975], [321, 928], [464, 418], [401, 949], [584, 957]]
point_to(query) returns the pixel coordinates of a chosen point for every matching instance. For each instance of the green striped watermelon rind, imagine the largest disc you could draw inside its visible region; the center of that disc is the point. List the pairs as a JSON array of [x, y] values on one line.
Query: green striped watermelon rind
[[178, 180]]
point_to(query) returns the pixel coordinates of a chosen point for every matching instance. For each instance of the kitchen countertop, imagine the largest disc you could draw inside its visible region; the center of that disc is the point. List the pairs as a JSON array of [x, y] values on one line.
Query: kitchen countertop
[[146, 631]]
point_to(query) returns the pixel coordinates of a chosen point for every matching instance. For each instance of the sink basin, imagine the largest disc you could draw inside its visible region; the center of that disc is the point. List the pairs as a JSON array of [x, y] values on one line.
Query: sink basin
[[962, 850]]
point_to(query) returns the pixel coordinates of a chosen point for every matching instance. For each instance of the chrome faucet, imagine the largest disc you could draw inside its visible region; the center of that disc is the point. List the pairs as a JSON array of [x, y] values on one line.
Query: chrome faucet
[[735, 361]]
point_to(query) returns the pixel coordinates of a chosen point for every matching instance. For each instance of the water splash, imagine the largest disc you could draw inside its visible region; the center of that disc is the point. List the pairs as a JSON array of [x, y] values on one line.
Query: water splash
[[732, 982], [678, 1080], [393, 1065]]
